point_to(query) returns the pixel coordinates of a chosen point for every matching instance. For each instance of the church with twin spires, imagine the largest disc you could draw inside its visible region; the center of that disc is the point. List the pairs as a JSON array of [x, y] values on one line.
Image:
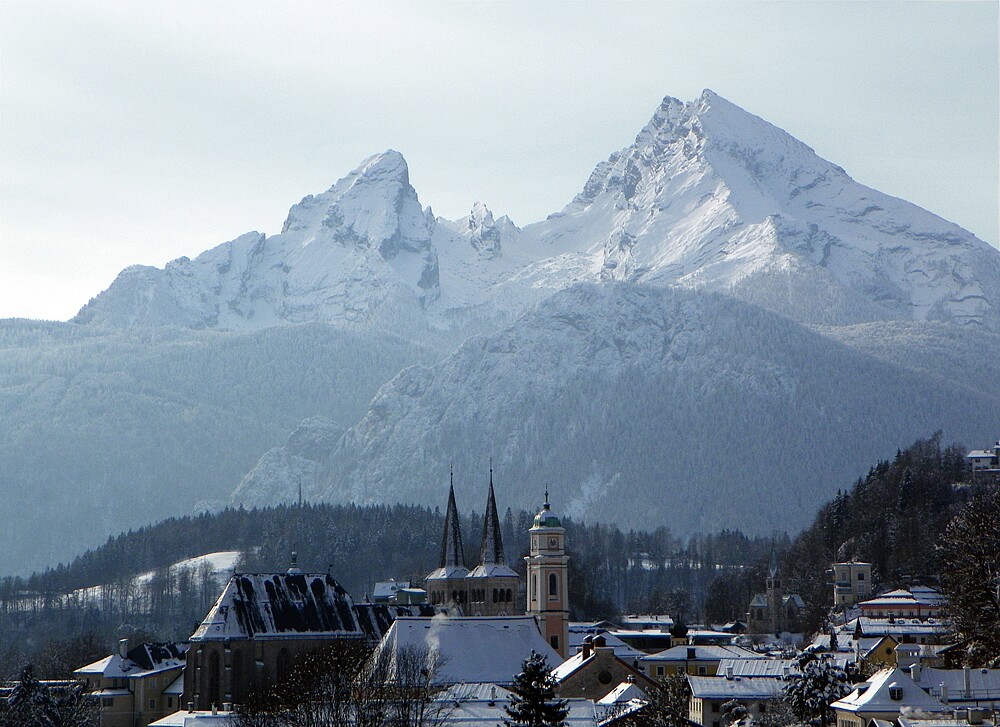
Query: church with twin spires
[[492, 588]]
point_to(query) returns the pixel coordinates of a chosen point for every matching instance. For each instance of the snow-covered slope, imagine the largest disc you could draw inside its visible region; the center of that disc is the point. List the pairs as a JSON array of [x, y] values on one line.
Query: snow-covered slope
[[359, 254], [707, 196], [650, 406], [711, 196]]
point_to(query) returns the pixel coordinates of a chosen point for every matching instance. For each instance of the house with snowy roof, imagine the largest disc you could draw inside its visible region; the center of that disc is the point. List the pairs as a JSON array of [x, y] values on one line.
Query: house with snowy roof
[[920, 602], [965, 687], [699, 660], [903, 630], [594, 671], [885, 696], [985, 463], [134, 687], [708, 694]]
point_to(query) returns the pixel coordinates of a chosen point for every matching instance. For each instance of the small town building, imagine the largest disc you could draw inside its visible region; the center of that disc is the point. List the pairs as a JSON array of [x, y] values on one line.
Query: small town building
[[884, 696], [694, 660], [774, 611], [852, 582], [548, 577], [596, 670], [920, 602], [482, 705], [709, 694], [985, 463], [132, 686], [959, 687]]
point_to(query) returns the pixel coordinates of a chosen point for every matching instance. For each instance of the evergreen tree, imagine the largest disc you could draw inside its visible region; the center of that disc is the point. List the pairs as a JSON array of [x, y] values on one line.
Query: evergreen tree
[[819, 684], [533, 700], [970, 568]]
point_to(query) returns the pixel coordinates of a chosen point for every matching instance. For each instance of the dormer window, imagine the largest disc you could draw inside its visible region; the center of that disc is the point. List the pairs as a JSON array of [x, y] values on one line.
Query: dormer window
[[895, 692]]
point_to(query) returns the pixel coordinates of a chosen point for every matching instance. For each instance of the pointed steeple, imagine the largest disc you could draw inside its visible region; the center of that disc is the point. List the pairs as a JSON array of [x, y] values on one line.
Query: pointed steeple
[[491, 548], [452, 554]]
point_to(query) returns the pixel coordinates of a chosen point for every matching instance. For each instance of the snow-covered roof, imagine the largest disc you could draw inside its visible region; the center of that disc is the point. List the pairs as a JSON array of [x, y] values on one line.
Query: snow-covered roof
[[624, 692], [755, 668], [195, 719], [648, 620], [922, 595], [492, 570], [471, 649], [109, 693], [983, 684], [622, 650], [176, 687], [874, 695], [703, 652], [900, 626], [140, 661], [735, 688], [388, 589], [476, 705], [281, 605]]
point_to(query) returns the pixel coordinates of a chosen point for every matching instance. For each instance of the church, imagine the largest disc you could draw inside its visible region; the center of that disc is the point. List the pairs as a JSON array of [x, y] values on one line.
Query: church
[[491, 588]]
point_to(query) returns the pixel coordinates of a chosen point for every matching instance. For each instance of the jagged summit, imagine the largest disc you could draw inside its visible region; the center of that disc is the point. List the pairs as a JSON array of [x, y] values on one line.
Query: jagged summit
[[708, 195]]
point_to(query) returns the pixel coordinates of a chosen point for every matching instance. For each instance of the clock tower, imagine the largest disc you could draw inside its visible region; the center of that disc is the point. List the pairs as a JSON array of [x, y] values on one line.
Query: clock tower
[[548, 599]]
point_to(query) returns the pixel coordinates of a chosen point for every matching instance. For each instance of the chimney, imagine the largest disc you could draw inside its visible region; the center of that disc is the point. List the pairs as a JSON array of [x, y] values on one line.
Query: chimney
[[190, 707], [600, 642], [944, 694], [967, 677], [123, 648], [587, 647], [729, 672], [915, 673]]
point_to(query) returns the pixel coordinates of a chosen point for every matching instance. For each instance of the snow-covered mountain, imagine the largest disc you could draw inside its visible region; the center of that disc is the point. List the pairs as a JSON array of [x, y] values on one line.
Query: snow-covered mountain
[[711, 196], [718, 310], [707, 196], [652, 406]]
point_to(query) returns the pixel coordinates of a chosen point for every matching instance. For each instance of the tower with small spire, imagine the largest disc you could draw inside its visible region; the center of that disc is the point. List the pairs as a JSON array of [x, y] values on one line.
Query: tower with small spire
[[548, 598], [446, 585], [492, 585]]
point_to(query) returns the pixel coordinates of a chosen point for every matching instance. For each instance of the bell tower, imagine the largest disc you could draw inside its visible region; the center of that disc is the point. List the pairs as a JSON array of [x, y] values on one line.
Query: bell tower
[[548, 598]]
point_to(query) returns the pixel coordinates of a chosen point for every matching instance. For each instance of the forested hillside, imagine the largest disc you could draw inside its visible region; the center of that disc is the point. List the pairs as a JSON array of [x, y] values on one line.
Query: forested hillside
[[612, 571], [103, 430], [893, 518]]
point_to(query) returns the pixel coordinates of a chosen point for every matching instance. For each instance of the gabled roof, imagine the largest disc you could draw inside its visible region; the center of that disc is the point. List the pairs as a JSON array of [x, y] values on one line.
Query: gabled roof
[[873, 695], [735, 688], [482, 705], [624, 692], [622, 650], [376, 618], [984, 684], [478, 649], [281, 606], [140, 661]]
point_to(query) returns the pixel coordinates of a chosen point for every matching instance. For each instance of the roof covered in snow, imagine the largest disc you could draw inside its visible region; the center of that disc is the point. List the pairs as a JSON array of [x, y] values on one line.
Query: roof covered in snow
[[465, 649], [482, 705], [735, 688], [140, 661], [281, 605], [624, 692], [874, 695]]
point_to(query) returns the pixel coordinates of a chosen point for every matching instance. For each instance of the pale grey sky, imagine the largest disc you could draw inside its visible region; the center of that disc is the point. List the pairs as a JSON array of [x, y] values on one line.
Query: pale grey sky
[[139, 132]]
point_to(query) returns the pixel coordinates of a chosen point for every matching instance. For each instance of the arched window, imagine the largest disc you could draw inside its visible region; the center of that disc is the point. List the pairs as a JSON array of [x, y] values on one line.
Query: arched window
[[495, 598], [553, 585], [534, 587]]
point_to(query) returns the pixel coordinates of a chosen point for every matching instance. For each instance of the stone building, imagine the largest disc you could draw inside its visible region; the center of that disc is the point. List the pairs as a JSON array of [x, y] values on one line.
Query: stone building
[[548, 581]]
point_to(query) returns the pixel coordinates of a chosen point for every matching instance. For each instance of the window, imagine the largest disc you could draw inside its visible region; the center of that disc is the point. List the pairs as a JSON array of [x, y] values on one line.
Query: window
[[152, 704], [554, 641], [553, 586], [762, 708], [659, 671], [715, 706], [702, 671], [861, 576], [107, 702]]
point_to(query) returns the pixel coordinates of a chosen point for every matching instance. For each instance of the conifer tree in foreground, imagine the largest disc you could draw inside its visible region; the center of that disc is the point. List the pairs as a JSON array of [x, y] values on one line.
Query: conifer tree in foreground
[[533, 702]]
